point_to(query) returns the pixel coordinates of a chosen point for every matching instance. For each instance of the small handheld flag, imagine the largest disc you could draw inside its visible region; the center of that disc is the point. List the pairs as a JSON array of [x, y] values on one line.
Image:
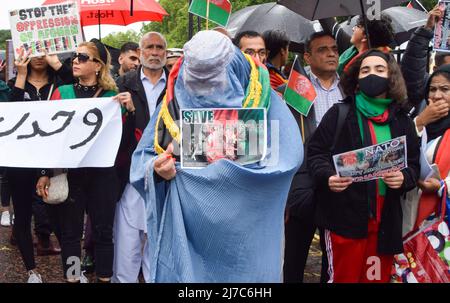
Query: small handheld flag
[[300, 93], [218, 11]]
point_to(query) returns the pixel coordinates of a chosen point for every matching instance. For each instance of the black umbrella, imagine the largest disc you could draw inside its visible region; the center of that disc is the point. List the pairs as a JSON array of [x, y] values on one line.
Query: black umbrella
[[404, 21], [321, 9], [271, 16]]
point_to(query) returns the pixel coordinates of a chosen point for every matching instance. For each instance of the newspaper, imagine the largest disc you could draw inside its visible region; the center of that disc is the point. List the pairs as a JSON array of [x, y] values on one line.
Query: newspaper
[[370, 163]]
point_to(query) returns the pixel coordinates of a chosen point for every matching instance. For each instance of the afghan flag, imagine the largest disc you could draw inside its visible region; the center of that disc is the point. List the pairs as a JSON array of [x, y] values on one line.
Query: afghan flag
[[219, 10], [300, 93]]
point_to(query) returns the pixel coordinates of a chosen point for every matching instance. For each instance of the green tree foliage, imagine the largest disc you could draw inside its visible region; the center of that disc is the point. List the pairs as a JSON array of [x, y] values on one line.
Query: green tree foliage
[[175, 26], [5, 34], [118, 39]]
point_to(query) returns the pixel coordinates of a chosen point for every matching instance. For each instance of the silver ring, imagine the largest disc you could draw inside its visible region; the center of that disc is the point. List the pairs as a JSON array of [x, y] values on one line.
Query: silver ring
[[46, 187]]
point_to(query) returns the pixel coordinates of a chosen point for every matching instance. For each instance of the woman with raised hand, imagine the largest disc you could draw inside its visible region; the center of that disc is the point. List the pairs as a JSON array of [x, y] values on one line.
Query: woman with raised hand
[[36, 79], [438, 143]]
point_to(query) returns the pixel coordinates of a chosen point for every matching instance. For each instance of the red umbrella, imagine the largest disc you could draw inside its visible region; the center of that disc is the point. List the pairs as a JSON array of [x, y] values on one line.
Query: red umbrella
[[117, 12]]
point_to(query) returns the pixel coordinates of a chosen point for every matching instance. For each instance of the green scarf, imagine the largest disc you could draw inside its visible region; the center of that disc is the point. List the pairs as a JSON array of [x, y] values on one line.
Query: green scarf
[[345, 58], [370, 108]]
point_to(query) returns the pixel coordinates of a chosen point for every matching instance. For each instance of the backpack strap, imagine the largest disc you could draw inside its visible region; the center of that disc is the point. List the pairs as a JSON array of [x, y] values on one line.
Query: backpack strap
[[343, 109]]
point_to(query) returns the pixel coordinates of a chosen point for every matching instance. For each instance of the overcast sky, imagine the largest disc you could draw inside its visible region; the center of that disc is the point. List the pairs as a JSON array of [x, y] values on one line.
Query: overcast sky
[[90, 31]]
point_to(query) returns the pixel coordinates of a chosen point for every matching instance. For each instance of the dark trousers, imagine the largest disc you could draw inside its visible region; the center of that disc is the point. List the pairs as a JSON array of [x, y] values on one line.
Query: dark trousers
[[42, 224], [5, 193], [93, 190], [88, 244], [22, 182], [299, 234]]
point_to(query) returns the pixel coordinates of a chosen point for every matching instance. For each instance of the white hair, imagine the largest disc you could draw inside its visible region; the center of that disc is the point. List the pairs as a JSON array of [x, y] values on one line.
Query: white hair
[[148, 35]]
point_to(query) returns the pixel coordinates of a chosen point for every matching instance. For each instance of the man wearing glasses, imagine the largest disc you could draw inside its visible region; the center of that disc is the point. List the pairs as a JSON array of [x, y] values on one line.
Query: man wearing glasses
[[251, 43]]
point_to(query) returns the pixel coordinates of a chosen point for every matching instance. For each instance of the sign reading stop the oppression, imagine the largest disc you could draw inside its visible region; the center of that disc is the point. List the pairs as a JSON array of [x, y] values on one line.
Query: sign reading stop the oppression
[[52, 28]]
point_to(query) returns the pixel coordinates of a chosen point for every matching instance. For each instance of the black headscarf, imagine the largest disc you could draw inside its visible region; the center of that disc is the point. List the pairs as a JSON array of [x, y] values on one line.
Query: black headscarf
[[102, 51], [438, 128]]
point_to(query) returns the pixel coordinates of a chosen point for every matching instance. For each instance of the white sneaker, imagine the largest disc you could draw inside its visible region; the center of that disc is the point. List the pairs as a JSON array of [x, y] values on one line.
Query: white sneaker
[[34, 277], [83, 278], [6, 219]]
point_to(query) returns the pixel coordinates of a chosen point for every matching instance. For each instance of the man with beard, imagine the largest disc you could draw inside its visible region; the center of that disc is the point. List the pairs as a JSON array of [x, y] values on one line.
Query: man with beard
[[128, 59], [145, 86]]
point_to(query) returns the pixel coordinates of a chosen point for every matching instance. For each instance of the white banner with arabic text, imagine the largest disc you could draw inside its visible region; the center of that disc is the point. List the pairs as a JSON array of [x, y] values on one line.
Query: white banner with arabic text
[[60, 134]]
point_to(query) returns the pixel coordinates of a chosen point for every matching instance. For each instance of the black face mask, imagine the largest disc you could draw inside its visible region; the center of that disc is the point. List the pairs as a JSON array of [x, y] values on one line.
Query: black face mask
[[373, 85]]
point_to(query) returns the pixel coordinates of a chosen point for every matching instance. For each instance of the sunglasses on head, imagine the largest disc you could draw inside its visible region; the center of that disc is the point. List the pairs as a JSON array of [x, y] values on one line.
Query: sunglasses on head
[[82, 57]]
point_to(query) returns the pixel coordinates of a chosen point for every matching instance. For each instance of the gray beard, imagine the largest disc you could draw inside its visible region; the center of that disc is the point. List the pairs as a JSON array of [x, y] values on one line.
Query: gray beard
[[153, 67]]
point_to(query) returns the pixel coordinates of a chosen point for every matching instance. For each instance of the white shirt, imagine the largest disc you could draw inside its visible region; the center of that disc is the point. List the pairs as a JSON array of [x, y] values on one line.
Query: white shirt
[[325, 97], [153, 91]]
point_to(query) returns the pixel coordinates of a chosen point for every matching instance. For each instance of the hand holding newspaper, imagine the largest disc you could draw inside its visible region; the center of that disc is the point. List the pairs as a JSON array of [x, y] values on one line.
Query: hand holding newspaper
[[372, 162]]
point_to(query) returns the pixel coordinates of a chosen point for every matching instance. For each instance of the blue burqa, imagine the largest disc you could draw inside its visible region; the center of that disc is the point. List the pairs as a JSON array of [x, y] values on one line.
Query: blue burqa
[[223, 223]]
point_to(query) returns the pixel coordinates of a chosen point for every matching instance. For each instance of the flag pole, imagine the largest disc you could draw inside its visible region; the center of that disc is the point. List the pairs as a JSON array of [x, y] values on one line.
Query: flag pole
[[207, 13], [302, 123], [99, 27], [420, 4], [303, 129], [301, 116]]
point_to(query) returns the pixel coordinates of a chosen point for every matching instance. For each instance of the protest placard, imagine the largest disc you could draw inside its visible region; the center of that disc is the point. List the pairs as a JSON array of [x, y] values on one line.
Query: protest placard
[[236, 134], [372, 162], [52, 28], [60, 134], [442, 29]]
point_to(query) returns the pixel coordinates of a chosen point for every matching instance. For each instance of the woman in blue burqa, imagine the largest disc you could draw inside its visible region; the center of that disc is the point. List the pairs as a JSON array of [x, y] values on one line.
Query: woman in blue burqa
[[225, 222]]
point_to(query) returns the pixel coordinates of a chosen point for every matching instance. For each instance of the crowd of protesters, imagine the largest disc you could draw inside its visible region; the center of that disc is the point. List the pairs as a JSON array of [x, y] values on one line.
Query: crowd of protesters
[[266, 226]]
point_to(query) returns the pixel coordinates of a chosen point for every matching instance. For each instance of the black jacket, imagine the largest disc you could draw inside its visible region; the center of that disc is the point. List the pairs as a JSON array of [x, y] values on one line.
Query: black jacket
[[347, 213], [414, 65], [300, 201], [131, 82], [135, 124], [56, 78], [30, 93]]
